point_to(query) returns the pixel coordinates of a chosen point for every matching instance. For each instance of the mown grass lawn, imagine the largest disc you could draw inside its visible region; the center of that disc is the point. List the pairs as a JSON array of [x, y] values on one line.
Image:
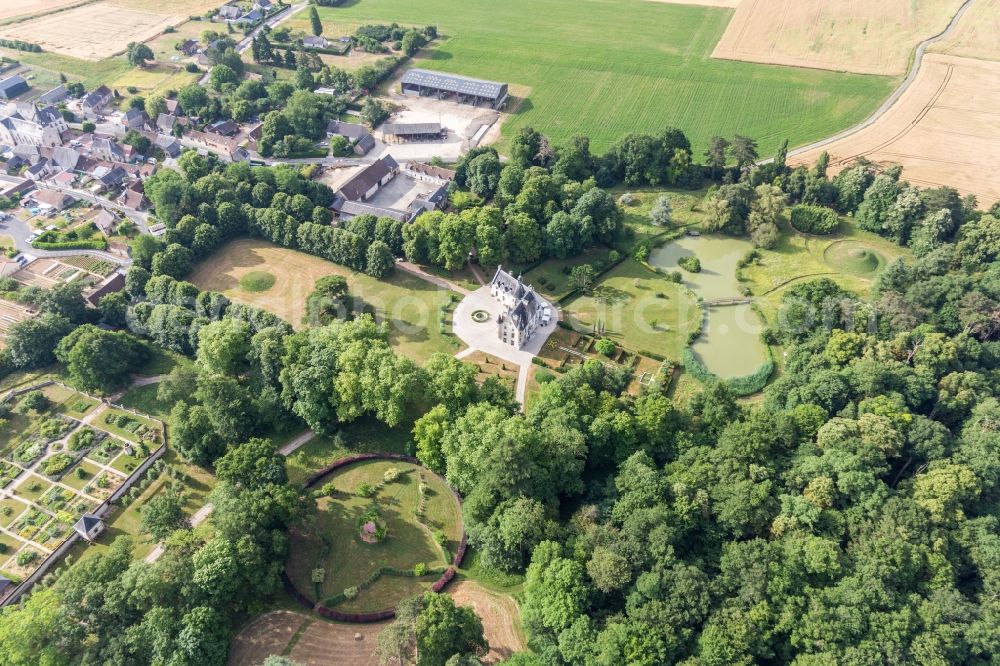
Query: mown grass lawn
[[605, 68], [365, 435], [143, 399], [348, 560], [411, 306], [640, 310], [798, 258]]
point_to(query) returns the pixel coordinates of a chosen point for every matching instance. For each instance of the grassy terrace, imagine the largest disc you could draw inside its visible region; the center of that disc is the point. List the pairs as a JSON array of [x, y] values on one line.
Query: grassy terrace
[[608, 67]]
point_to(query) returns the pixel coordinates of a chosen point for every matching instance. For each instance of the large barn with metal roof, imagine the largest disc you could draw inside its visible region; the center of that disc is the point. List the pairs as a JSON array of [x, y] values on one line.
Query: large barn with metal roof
[[443, 85]]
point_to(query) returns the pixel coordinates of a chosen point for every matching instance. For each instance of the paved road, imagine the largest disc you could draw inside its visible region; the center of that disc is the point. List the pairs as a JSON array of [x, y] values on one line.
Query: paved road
[[918, 58], [280, 17]]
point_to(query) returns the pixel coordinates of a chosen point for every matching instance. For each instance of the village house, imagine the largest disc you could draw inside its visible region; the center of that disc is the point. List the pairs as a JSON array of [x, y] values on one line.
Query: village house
[[97, 99], [105, 221], [133, 197], [134, 119], [230, 12], [358, 135], [52, 199], [108, 150], [315, 42], [522, 310], [189, 47], [165, 122]]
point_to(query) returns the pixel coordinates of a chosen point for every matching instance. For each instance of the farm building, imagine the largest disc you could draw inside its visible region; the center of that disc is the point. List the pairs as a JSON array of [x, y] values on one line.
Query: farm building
[[13, 86], [367, 182], [400, 132], [357, 134], [466, 90], [429, 173]]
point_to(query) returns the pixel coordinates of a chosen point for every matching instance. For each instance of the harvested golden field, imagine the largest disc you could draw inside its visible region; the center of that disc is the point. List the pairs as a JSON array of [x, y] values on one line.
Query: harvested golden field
[[944, 130], [500, 616], [976, 35], [858, 36], [183, 8], [704, 3], [13, 8], [91, 32]]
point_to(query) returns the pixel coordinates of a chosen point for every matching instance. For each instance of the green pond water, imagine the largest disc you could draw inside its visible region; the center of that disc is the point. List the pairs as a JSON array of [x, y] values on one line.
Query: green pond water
[[730, 345]]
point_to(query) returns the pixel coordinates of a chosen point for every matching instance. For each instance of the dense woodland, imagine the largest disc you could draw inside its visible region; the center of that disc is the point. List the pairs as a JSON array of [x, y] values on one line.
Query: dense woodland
[[849, 517]]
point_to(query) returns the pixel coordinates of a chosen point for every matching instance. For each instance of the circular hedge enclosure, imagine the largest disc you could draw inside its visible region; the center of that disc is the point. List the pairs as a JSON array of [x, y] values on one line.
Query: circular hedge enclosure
[[385, 528], [853, 257], [257, 281]]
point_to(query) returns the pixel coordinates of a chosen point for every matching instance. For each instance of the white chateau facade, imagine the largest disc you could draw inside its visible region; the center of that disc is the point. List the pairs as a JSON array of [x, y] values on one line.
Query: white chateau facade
[[522, 308]]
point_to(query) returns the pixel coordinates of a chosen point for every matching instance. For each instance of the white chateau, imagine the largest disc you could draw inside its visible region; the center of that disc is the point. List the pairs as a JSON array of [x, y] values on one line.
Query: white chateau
[[523, 310]]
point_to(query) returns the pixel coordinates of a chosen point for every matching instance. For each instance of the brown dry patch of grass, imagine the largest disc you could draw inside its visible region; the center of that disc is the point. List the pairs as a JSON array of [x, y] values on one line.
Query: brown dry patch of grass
[[332, 643], [266, 635], [944, 130], [500, 616], [848, 35], [91, 32]]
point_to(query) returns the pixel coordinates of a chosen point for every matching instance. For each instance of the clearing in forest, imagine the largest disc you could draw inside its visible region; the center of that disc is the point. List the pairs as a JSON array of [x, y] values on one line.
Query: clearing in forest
[[845, 36], [369, 534], [500, 616], [411, 306]]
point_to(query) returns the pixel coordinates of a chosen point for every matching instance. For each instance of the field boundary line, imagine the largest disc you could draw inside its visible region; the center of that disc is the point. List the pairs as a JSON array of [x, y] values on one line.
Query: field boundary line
[[911, 76]]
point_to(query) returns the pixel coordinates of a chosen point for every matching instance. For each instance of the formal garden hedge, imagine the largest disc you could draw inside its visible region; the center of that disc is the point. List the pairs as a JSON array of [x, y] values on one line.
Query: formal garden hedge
[[814, 219], [741, 386], [446, 574]]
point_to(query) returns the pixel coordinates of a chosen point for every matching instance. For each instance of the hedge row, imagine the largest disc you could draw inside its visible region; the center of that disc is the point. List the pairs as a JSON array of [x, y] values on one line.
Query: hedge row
[[72, 245], [333, 614], [814, 219], [741, 386]]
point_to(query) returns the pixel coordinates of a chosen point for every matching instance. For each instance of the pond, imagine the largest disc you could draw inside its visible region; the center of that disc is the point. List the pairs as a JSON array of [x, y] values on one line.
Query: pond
[[718, 255], [730, 345]]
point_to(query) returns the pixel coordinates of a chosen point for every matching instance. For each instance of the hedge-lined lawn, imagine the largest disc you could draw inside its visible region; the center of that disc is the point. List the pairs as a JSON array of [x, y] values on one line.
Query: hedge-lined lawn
[[366, 435], [16, 509], [799, 258], [411, 306], [640, 310], [348, 561], [605, 68], [551, 277], [32, 488], [125, 432], [74, 481]]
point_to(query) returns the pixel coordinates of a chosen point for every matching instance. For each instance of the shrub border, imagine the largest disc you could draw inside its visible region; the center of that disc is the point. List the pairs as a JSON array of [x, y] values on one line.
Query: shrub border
[[378, 616]]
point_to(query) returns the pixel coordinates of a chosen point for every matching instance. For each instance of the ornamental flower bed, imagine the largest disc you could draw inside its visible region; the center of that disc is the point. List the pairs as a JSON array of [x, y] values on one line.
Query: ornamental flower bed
[[371, 527]]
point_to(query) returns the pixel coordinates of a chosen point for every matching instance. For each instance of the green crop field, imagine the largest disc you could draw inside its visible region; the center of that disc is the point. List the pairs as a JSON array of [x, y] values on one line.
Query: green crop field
[[608, 67]]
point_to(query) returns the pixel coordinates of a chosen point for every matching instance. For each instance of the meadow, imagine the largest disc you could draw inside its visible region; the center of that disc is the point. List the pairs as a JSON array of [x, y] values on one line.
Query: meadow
[[585, 69]]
